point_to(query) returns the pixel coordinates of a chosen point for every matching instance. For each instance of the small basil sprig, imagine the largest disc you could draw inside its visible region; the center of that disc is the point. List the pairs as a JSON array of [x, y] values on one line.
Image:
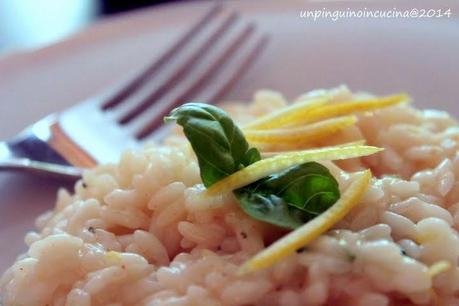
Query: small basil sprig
[[218, 143], [287, 199], [291, 197]]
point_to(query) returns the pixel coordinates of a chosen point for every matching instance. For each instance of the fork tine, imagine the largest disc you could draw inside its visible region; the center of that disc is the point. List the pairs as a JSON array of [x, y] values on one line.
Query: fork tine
[[179, 73], [198, 83], [237, 70], [125, 90]]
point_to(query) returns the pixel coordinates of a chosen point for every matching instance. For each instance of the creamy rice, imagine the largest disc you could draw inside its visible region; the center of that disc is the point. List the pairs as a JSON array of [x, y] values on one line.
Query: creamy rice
[[137, 233]]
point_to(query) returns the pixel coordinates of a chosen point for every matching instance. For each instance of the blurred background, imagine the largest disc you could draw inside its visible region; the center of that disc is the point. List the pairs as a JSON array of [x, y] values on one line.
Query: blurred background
[[28, 24]]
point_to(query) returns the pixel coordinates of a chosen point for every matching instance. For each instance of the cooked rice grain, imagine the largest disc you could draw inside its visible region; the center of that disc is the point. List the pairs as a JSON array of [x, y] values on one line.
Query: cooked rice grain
[[139, 234]]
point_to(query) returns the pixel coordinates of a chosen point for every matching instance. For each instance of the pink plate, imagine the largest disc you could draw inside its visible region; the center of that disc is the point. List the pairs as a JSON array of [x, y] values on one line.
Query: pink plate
[[416, 55]]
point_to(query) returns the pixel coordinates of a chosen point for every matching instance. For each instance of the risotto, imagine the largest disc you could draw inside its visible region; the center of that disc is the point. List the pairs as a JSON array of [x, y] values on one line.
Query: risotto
[[146, 231]]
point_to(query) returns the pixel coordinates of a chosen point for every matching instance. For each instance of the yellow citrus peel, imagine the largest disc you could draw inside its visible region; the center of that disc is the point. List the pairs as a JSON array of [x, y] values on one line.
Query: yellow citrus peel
[[303, 134], [311, 230], [283, 161], [439, 267], [113, 257], [425, 236], [345, 108], [359, 142], [286, 115]]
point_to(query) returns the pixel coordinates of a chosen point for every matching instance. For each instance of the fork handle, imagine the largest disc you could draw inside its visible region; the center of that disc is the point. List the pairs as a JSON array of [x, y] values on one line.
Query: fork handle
[[42, 168], [29, 146], [15, 157]]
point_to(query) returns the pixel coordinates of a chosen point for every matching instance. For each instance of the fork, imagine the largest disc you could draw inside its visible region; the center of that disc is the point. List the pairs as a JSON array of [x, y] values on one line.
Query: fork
[[100, 128]]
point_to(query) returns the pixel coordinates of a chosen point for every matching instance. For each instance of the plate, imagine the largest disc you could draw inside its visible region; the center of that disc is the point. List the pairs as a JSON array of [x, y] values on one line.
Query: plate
[[381, 55]]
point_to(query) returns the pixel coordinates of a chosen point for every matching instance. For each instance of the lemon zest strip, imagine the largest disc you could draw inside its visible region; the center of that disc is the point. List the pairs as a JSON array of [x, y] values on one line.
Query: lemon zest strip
[[303, 134], [345, 108], [287, 114], [281, 162], [113, 257], [359, 142], [439, 267], [308, 232]]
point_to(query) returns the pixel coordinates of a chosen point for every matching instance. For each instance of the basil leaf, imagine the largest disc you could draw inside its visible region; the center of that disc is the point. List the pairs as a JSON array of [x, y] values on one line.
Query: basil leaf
[[251, 156], [271, 209], [218, 143], [291, 197], [309, 187]]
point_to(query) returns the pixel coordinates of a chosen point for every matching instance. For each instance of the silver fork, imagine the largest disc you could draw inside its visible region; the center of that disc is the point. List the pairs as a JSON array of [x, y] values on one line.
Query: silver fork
[[98, 129]]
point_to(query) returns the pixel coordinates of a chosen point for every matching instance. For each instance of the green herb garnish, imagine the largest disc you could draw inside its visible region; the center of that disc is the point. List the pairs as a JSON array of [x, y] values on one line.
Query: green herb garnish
[[287, 199], [292, 197], [218, 143]]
